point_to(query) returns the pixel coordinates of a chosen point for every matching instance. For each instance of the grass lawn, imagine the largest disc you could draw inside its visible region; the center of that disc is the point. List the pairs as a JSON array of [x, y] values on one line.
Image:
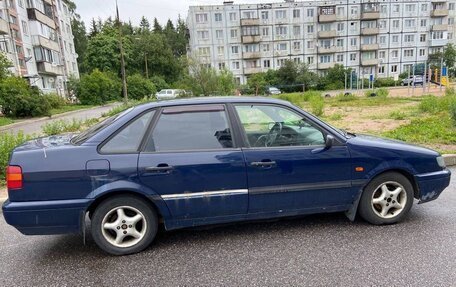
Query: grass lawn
[[416, 120], [5, 121], [70, 108]]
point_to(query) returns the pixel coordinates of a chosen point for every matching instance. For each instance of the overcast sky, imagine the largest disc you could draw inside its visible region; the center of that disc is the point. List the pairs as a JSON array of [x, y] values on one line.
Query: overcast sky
[[135, 9]]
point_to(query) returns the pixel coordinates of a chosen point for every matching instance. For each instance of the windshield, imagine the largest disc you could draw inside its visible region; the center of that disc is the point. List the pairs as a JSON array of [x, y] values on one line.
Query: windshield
[[85, 135]]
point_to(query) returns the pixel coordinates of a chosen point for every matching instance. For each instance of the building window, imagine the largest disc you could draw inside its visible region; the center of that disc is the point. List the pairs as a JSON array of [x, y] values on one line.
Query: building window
[[340, 11], [235, 65], [310, 12], [409, 23], [340, 27], [310, 44], [203, 35], [394, 69], [265, 31], [250, 31], [354, 10], [201, 18], [340, 42], [297, 30], [297, 45], [382, 39], [424, 7], [233, 33], [353, 57], [438, 35], [221, 50], [395, 39], [410, 8], [310, 29], [282, 46], [422, 38], [221, 66], [233, 16], [384, 9], [325, 59], [395, 54], [396, 8], [396, 24], [24, 27], [310, 60], [423, 22], [297, 60], [422, 52], [265, 15], [267, 63], [340, 58], [409, 38], [281, 30], [265, 47], [408, 53], [204, 51], [219, 34], [218, 17], [248, 15], [235, 49], [451, 6], [381, 55], [353, 41], [296, 13], [281, 14]]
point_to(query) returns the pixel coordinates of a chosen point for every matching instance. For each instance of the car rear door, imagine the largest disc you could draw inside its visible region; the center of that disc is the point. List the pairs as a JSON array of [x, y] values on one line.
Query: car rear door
[[191, 160], [291, 169]]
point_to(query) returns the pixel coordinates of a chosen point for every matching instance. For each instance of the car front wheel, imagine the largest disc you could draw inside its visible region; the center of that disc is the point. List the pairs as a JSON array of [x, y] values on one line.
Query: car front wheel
[[124, 225], [386, 199]]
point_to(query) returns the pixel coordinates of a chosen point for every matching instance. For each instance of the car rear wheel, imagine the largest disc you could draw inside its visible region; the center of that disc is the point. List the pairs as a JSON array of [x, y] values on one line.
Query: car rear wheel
[[124, 225], [386, 199]]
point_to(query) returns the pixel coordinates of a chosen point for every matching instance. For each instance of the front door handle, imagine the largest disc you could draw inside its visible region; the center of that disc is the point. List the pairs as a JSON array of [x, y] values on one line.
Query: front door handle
[[268, 163], [161, 168]]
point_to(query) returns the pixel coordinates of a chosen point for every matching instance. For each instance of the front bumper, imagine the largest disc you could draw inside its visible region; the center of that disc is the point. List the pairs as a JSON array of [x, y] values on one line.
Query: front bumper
[[46, 217], [432, 184]]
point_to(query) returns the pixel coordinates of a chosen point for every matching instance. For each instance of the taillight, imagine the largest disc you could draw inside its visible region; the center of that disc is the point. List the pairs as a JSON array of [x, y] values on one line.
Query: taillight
[[14, 177]]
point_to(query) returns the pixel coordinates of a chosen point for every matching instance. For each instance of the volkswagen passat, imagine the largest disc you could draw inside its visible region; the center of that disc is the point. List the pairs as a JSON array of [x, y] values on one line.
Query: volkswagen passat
[[193, 162]]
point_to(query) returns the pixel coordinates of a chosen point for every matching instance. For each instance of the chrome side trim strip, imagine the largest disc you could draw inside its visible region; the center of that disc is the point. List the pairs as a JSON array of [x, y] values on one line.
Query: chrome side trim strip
[[204, 194], [301, 187]]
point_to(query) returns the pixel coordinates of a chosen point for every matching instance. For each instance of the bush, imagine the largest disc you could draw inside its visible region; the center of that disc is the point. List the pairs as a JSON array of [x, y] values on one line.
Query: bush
[[385, 82], [159, 83], [317, 104], [8, 141], [380, 93], [346, 97], [430, 104], [139, 87], [453, 112], [18, 99], [97, 88], [54, 100]]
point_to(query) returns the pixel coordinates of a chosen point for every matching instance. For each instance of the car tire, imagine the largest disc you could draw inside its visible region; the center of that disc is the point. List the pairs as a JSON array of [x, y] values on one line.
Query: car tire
[[124, 225], [387, 199]]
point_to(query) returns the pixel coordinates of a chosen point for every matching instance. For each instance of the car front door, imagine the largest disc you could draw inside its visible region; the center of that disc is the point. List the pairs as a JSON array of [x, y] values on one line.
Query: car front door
[[190, 159], [288, 166]]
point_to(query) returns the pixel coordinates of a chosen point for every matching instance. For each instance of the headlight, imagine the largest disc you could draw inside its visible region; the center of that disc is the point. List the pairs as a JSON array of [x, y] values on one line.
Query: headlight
[[441, 161]]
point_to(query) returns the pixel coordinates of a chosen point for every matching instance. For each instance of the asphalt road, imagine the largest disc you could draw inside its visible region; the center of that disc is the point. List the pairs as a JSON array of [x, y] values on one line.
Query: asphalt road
[[322, 250], [35, 126]]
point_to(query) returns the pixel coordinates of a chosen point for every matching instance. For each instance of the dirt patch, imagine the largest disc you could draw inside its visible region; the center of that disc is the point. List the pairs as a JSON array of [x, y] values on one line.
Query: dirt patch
[[374, 120]]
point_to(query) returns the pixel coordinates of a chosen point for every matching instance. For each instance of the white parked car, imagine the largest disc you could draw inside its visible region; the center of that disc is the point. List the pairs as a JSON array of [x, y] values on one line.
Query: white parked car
[[273, 91], [169, 94]]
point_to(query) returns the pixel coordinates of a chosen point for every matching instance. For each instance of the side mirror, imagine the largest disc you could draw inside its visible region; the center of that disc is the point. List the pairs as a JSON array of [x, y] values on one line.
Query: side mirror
[[329, 141]]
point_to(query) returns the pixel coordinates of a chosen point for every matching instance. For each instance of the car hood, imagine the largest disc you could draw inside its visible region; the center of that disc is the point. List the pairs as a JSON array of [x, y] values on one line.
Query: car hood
[[385, 143], [46, 142]]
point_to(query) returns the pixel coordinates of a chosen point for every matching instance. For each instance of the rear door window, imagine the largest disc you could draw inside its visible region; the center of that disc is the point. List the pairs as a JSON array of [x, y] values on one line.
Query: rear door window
[[191, 128], [129, 138]]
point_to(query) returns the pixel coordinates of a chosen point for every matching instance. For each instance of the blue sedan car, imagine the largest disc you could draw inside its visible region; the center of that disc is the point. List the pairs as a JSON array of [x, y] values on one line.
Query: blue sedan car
[[191, 162]]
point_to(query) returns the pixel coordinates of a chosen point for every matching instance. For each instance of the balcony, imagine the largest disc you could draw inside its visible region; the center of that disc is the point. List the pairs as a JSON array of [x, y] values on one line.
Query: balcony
[[3, 27], [249, 71], [251, 39], [370, 15], [250, 22], [47, 43], [440, 27], [251, 55], [438, 42], [327, 34], [439, 13], [370, 31], [49, 69], [325, 66], [327, 18], [369, 62], [327, 50], [369, 47], [34, 14]]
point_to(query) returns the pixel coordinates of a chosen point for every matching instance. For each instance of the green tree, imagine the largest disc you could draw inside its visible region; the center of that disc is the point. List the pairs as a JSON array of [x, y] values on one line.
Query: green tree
[[226, 83], [334, 78], [140, 87], [306, 78], [258, 83], [80, 40], [97, 88], [288, 73], [449, 57], [157, 28], [4, 65], [144, 25]]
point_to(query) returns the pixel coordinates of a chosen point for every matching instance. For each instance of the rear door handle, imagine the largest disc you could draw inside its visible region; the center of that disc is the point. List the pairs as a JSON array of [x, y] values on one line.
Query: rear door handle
[[159, 168], [268, 163]]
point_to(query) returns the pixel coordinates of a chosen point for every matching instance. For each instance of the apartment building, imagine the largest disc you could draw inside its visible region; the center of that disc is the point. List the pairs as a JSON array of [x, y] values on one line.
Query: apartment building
[[382, 37], [36, 36]]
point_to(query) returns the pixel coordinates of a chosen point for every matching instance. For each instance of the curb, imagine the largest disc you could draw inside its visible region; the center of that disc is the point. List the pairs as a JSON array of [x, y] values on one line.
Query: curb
[[57, 116], [450, 159]]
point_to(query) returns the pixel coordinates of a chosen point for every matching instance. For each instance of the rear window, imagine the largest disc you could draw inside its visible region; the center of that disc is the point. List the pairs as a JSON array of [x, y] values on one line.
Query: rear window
[[85, 135]]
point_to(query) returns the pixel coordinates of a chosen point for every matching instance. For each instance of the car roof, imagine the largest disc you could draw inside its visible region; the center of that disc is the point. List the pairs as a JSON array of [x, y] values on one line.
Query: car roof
[[212, 100]]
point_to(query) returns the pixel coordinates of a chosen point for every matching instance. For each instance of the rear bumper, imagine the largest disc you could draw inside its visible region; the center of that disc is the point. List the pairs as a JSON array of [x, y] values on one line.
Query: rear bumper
[[432, 184], [46, 217]]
